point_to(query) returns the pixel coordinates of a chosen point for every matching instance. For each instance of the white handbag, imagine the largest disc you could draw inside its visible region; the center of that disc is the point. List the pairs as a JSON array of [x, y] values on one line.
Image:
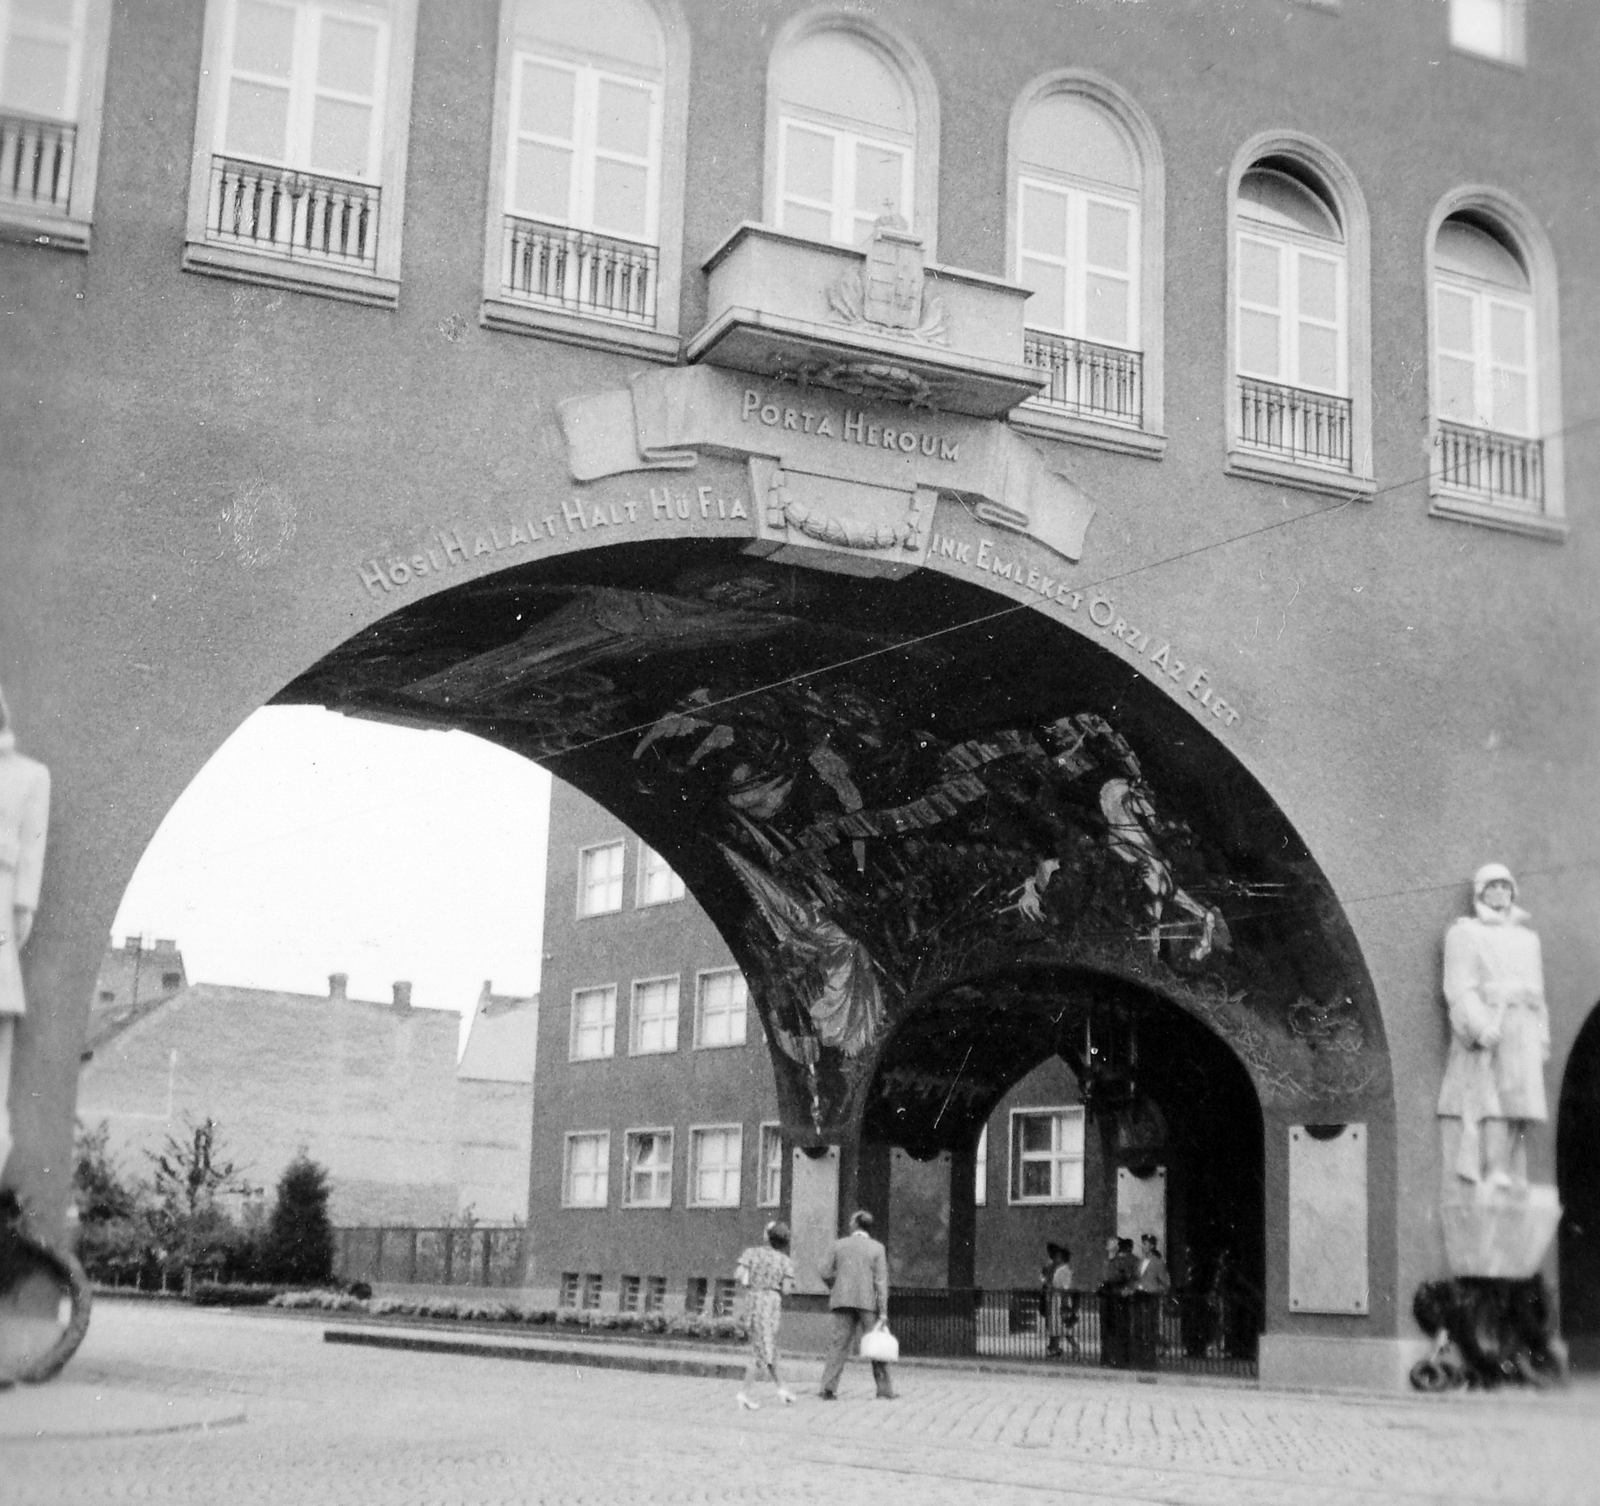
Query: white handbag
[[879, 1345]]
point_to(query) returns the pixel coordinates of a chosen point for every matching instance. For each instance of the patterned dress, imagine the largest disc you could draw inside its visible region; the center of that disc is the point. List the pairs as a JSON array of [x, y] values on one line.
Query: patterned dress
[[769, 1274]]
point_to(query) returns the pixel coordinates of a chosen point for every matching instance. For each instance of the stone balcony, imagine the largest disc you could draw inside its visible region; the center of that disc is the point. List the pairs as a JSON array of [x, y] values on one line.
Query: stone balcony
[[872, 321]]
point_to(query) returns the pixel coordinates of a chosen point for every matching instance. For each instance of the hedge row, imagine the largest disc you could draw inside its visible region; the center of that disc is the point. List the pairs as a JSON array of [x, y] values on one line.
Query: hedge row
[[467, 1309]]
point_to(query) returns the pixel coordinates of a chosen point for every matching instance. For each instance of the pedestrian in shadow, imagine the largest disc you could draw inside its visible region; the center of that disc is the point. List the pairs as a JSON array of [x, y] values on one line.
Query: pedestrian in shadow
[[856, 1273], [767, 1276], [1055, 1296]]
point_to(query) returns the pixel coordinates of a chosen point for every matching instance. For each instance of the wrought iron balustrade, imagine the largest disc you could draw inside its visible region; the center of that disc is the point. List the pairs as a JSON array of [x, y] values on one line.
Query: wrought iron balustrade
[[1297, 424], [1097, 381], [36, 159], [303, 216], [1494, 467], [598, 275]]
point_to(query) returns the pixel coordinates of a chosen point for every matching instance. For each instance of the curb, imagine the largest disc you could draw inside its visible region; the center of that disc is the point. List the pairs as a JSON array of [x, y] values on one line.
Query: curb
[[592, 1357]]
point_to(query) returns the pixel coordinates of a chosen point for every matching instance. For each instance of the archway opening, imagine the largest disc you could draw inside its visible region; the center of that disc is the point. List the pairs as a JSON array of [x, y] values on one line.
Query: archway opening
[[1578, 1182]]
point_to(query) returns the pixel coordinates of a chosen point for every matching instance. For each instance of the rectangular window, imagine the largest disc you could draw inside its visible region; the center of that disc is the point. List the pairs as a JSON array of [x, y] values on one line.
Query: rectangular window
[[655, 1293], [1291, 315], [714, 1157], [1490, 28], [592, 1288], [980, 1178], [833, 184], [720, 1008], [771, 1170], [594, 1023], [300, 146], [1079, 254], [655, 1016], [1047, 1155], [52, 84], [629, 1294], [588, 1169], [658, 884], [649, 1183], [1483, 360], [723, 1298], [569, 1290], [600, 879], [694, 1294]]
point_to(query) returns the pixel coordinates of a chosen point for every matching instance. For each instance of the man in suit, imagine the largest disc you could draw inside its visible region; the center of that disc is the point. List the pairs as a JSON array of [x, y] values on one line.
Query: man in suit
[[856, 1273]]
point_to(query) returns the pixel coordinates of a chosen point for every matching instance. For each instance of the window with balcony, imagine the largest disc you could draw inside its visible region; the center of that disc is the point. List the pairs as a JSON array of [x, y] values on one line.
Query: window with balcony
[[720, 1007], [594, 1024], [770, 1192], [714, 1156], [658, 884], [852, 131], [1085, 235], [1300, 391], [649, 1183], [655, 1016], [298, 177], [587, 183], [52, 84], [600, 879], [1494, 381], [587, 1170], [1494, 29], [1047, 1155]]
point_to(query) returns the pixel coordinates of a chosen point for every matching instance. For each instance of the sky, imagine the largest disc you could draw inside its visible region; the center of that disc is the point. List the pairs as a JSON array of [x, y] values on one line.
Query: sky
[[314, 843]]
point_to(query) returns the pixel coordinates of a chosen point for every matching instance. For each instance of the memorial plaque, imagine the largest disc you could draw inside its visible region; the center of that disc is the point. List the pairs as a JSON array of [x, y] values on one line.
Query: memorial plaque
[[1328, 1218]]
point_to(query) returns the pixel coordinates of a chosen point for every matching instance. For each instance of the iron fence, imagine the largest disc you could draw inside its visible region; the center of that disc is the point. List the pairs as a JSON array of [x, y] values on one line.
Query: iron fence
[[1295, 423], [477, 1256], [36, 159], [303, 216], [1496, 467], [1180, 1331], [577, 270], [1098, 381]]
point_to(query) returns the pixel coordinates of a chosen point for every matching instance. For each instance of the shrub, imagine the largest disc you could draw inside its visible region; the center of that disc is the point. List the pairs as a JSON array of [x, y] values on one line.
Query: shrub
[[319, 1301], [232, 1294]]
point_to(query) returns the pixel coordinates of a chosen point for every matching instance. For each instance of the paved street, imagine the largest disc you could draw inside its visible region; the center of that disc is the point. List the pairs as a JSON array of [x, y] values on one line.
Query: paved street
[[259, 1409]]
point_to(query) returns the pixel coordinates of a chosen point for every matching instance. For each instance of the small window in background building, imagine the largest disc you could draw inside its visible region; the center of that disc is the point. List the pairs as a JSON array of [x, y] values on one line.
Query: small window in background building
[[980, 1177], [592, 1286], [655, 1016], [771, 1165], [720, 1008], [171, 980], [655, 1293], [628, 1295], [569, 1289], [694, 1295], [649, 1182], [658, 884], [722, 1301], [1047, 1155], [594, 1023], [600, 879], [714, 1166], [588, 1158]]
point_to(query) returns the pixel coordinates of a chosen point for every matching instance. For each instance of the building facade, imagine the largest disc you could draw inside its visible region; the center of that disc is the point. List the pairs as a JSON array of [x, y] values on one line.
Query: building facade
[[1070, 528]]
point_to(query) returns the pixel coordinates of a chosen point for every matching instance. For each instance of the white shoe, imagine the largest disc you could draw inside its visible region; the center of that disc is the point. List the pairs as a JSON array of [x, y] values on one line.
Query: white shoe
[[749, 1406], [786, 1396]]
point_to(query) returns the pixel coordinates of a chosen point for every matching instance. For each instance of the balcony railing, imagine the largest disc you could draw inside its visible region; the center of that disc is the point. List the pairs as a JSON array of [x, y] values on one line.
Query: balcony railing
[[1498, 468], [597, 275], [303, 216], [36, 162], [1097, 381], [1311, 427]]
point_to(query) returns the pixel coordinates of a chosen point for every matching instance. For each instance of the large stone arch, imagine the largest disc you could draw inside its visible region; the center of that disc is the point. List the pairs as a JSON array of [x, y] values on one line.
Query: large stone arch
[[1578, 1182]]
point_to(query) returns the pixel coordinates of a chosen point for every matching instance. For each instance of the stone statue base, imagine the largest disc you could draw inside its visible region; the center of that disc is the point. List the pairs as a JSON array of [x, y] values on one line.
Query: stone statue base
[[1486, 1331], [1498, 1230]]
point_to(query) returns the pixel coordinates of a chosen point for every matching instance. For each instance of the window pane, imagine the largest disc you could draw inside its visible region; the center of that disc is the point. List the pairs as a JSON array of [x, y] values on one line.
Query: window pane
[[1035, 1132], [340, 134], [1319, 357], [1508, 334], [1455, 390], [619, 198], [36, 78], [1510, 399], [1454, 330], [1069, 1133], [808, 165], [1319, 283], [799, 219], [878, 179], [1107, 236], [1106, 309], [1044, 221], [347, 58], [622, 122], [1035, 1179], [263, 38], [1258, 344], [1258, 273], [1070, 1187], [1047, 309], [547, 100], [258, 121]]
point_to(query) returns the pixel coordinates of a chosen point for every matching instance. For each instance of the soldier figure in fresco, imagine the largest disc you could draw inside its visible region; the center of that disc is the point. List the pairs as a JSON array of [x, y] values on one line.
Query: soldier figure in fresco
[[1499, 1037], [24, 817]]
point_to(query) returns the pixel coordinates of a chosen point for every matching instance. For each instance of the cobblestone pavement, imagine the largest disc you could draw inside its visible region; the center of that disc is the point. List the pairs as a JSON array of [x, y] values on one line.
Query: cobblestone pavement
[[326, 1425]]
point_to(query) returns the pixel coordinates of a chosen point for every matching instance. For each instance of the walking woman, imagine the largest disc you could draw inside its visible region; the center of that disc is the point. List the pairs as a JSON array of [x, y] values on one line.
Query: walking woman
[[767, 1274]]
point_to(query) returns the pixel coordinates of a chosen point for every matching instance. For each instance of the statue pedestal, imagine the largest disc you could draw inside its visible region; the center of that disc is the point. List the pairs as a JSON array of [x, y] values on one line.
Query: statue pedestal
[[1503, 1231]]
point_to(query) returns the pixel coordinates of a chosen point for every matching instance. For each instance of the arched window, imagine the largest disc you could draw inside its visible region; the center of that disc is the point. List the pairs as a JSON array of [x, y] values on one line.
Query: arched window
[[852, 131], [1299, 409], [1493, 383], [1085, 236], [589, 175]]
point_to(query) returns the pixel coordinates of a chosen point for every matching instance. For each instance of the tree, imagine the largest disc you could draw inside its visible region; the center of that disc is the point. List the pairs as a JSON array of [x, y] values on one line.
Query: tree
[[191, 1226], [299, 1243], [114, 1229]]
